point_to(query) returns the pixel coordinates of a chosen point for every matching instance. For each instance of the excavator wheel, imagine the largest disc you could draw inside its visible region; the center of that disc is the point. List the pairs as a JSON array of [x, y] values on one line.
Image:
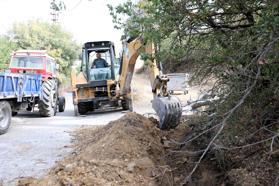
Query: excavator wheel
[[169, 110], [82, 108], [127, 104], [76, 110], [14, 113]]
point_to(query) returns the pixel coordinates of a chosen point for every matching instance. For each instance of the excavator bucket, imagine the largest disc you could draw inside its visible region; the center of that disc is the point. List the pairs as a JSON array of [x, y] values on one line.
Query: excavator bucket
[[169, 110]]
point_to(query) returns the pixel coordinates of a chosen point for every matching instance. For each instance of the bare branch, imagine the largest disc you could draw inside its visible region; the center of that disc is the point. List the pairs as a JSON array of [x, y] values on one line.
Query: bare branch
[[223, 124], [249, 145], [262, 128], [192, 139], [271, 145], [188, 153]]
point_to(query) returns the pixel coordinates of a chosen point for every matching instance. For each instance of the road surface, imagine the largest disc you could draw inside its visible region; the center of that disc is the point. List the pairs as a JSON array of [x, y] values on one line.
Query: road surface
[[33, 144]]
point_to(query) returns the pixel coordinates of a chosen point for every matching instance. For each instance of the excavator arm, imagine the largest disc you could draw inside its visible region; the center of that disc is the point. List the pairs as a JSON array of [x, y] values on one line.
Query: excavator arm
[[167, 107]]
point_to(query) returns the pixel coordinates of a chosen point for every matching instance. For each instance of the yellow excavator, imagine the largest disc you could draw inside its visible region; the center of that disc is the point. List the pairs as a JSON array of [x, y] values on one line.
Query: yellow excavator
[[110, 85]]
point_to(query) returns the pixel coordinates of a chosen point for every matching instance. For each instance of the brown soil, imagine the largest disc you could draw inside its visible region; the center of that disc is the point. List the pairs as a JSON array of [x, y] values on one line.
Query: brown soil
[[133, 151], [128, 151]]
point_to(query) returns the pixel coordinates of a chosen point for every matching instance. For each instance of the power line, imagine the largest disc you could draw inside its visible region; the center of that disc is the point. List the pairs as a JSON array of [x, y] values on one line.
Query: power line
[[72, 9]]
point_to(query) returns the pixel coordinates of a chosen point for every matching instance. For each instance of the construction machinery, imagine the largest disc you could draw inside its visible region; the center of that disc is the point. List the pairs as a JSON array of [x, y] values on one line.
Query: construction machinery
[[94, 88], [30, 81], [38, 62]]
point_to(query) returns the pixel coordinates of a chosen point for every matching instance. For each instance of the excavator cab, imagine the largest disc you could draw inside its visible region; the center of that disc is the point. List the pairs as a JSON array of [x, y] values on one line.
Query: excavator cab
[[95, 85], [102, 68]]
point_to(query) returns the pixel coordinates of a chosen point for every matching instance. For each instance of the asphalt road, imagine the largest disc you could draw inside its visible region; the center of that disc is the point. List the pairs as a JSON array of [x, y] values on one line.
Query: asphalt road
[[33, 144]]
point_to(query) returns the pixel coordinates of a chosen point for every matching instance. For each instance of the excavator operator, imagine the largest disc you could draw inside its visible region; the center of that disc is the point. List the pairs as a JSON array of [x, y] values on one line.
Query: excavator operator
[[99, 62]]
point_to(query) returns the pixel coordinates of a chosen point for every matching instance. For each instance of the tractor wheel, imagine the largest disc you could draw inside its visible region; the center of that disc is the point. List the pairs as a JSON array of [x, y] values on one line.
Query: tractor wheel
[[82, 108], [5, 116], [48, 103], [127, 104], [62, 102]]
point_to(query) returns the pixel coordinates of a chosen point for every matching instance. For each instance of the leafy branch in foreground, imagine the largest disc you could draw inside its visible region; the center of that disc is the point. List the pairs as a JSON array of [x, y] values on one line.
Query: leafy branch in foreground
[[227, 41]]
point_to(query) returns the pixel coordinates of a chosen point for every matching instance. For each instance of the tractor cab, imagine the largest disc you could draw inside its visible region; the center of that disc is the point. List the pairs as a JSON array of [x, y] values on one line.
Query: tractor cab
[[33, 62], [98, 61]]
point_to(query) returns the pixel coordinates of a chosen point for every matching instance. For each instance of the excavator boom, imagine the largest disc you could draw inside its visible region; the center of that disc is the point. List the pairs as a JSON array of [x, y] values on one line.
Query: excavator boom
[[167, 107]]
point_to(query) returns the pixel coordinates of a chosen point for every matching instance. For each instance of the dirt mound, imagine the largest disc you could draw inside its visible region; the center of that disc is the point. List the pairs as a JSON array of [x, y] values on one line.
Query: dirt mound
[[125, 152], [133, 151]]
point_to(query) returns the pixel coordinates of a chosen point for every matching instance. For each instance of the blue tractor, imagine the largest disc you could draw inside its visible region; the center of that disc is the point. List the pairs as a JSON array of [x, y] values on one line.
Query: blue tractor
[[31, 81], [17, 91]]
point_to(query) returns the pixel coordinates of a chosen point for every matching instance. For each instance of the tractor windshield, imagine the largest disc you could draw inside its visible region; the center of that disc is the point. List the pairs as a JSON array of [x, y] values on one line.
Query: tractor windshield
[[29, 62]]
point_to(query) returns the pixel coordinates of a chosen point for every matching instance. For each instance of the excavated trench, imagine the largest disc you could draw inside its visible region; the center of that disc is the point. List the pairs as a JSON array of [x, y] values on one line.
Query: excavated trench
[[128, 151]]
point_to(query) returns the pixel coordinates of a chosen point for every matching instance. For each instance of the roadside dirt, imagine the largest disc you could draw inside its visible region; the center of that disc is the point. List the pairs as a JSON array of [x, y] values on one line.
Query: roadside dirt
[[133, 151], [128, 151]]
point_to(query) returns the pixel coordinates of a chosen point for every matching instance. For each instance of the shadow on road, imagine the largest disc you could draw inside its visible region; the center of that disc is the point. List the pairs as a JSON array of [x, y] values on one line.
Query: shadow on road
[[101, 112], [68, 113]]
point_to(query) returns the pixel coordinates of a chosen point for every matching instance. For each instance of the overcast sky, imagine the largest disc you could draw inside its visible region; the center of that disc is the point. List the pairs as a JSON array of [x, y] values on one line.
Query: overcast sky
[[87, 20]]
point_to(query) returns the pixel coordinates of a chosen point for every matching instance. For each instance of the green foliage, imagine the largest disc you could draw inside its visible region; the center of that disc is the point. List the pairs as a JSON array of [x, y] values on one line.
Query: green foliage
[[219, 31], [45, 36], [6, 47], [57, 5], [229, 40]]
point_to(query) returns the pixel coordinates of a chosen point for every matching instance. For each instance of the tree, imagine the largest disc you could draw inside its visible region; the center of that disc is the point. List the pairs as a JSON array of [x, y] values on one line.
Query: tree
[[235, 42], [229, 40], [6, 47], [56, 7], [46, 36]]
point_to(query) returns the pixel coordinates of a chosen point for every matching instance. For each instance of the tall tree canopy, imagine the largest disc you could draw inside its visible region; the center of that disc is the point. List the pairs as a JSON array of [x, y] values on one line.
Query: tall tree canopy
[[57, 5], [45, 36], [234, 42], [6, 47], [228, 40], [191, 25]]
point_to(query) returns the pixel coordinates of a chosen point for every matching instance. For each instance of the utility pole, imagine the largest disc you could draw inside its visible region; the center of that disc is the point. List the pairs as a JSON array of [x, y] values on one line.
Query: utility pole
[[54, 16], [55, 9]]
